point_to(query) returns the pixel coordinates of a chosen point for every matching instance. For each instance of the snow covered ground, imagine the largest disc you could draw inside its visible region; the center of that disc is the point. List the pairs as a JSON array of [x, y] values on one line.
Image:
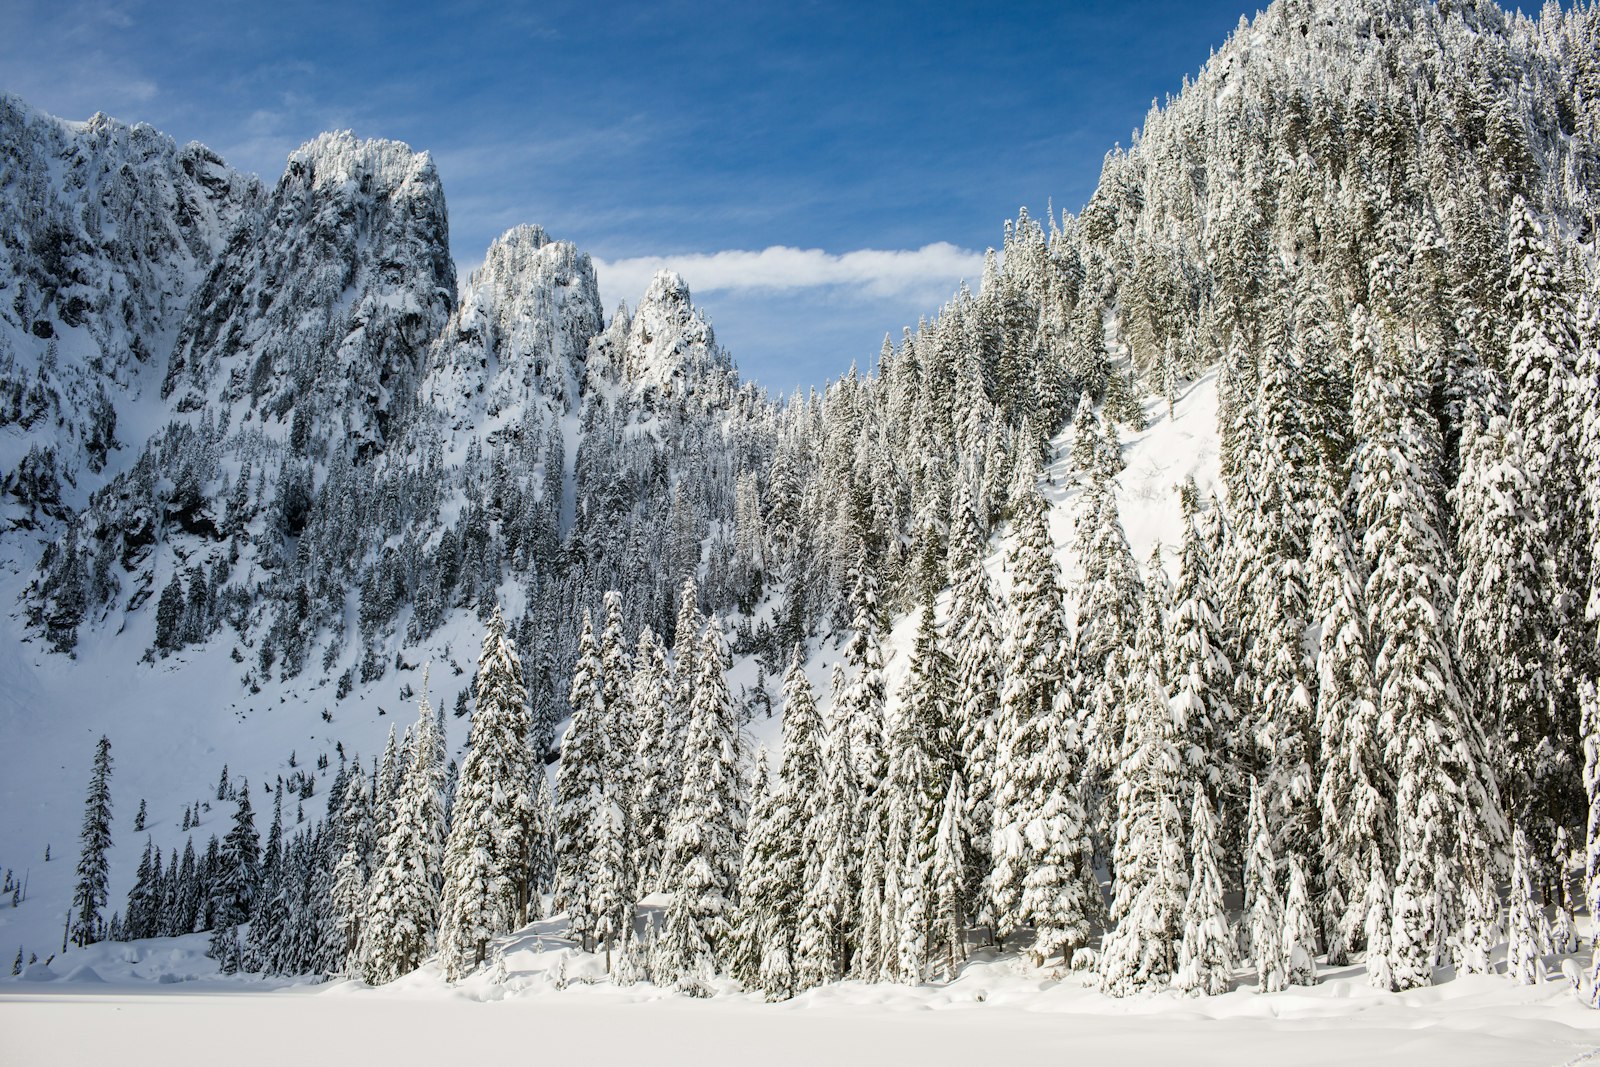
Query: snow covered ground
[[162, 1002]]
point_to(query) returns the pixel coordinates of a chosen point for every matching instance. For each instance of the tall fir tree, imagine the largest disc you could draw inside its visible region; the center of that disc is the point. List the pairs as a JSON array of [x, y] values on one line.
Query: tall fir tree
[[1299, 928], [1151, 880], [1274, 680], [704, 837], [830, 907], [1262, 901], [920, 751], [403, 894], [1205, 955], [1109, 596], [1378, 924], [762, 949], [1590, 696], [1503, 615], [659, 746], [1446, 805], [1042, 853], [487, 885], [584, 794], [140, 919], [1354, 788], [1199, 674], [238, 879], [863, 697], [978, 683], [89, 894], [796, 815], [352, 869], [1523, 951], [621, 730], [1547, 409]]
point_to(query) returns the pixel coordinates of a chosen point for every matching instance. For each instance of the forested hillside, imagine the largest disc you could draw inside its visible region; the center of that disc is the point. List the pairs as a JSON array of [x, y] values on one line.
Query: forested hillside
[[267, 442]]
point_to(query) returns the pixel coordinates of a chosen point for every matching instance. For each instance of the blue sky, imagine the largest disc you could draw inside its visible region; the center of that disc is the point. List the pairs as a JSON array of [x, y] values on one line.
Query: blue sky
[[653, 132]]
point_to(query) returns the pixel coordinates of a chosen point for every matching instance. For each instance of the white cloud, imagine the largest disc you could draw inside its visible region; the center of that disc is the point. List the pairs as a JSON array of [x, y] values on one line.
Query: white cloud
[[928, 274]]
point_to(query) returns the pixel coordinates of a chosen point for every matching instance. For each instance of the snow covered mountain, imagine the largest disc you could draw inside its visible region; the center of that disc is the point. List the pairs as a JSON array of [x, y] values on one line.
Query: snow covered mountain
[[264, 458], [235, 411], [109, 231]]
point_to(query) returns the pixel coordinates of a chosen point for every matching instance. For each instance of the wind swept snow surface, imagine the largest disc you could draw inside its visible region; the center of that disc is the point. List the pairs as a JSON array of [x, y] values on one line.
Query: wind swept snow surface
[[101, 1013]]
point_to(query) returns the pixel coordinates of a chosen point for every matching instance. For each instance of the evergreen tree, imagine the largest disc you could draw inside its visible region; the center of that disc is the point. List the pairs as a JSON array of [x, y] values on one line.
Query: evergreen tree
[[1199, 675], [188, 895], [793, 850], [859, 699], [919, 772], [829, 910], [1263, 905], [583, 794], [143, 898], [353, 869], [89, 894], [659, 747], [542, 859], [1042, 854], [1547, 413], [1151, 876], [1523, 950], [386, 777], [272, 854], [1503, 615], [1378, 924], [1477, 905], [978, 683], [1563, 934], [1109, 597], [237, 880], [486, 861], [1205, 956], [763, 935], [862, 699], [403, 894], [621, 731], [947, 947], [1447, 810], [611, 894], [703, 850], [1591, 784], [1354, 788], [1299, 929], [1275, 674]]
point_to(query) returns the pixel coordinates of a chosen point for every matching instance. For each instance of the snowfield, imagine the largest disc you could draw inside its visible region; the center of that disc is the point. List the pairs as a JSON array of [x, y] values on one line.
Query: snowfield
[[162, 1003]]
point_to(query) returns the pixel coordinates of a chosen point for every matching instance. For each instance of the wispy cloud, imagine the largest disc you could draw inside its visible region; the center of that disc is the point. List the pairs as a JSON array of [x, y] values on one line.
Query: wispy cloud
[[928, 274]]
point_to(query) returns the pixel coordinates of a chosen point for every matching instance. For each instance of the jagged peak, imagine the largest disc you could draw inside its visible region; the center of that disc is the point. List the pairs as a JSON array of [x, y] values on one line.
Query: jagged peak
[[523, 248], [523, 235], [339, 156], [666, 288], [670, 343]]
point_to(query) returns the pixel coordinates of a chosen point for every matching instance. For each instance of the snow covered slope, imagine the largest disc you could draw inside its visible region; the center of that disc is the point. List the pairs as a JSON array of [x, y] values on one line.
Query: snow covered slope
[[1175, 445], [128, 1001]]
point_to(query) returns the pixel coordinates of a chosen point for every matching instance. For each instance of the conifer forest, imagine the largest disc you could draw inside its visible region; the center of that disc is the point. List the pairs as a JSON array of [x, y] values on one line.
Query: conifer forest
[[1202, 605]]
